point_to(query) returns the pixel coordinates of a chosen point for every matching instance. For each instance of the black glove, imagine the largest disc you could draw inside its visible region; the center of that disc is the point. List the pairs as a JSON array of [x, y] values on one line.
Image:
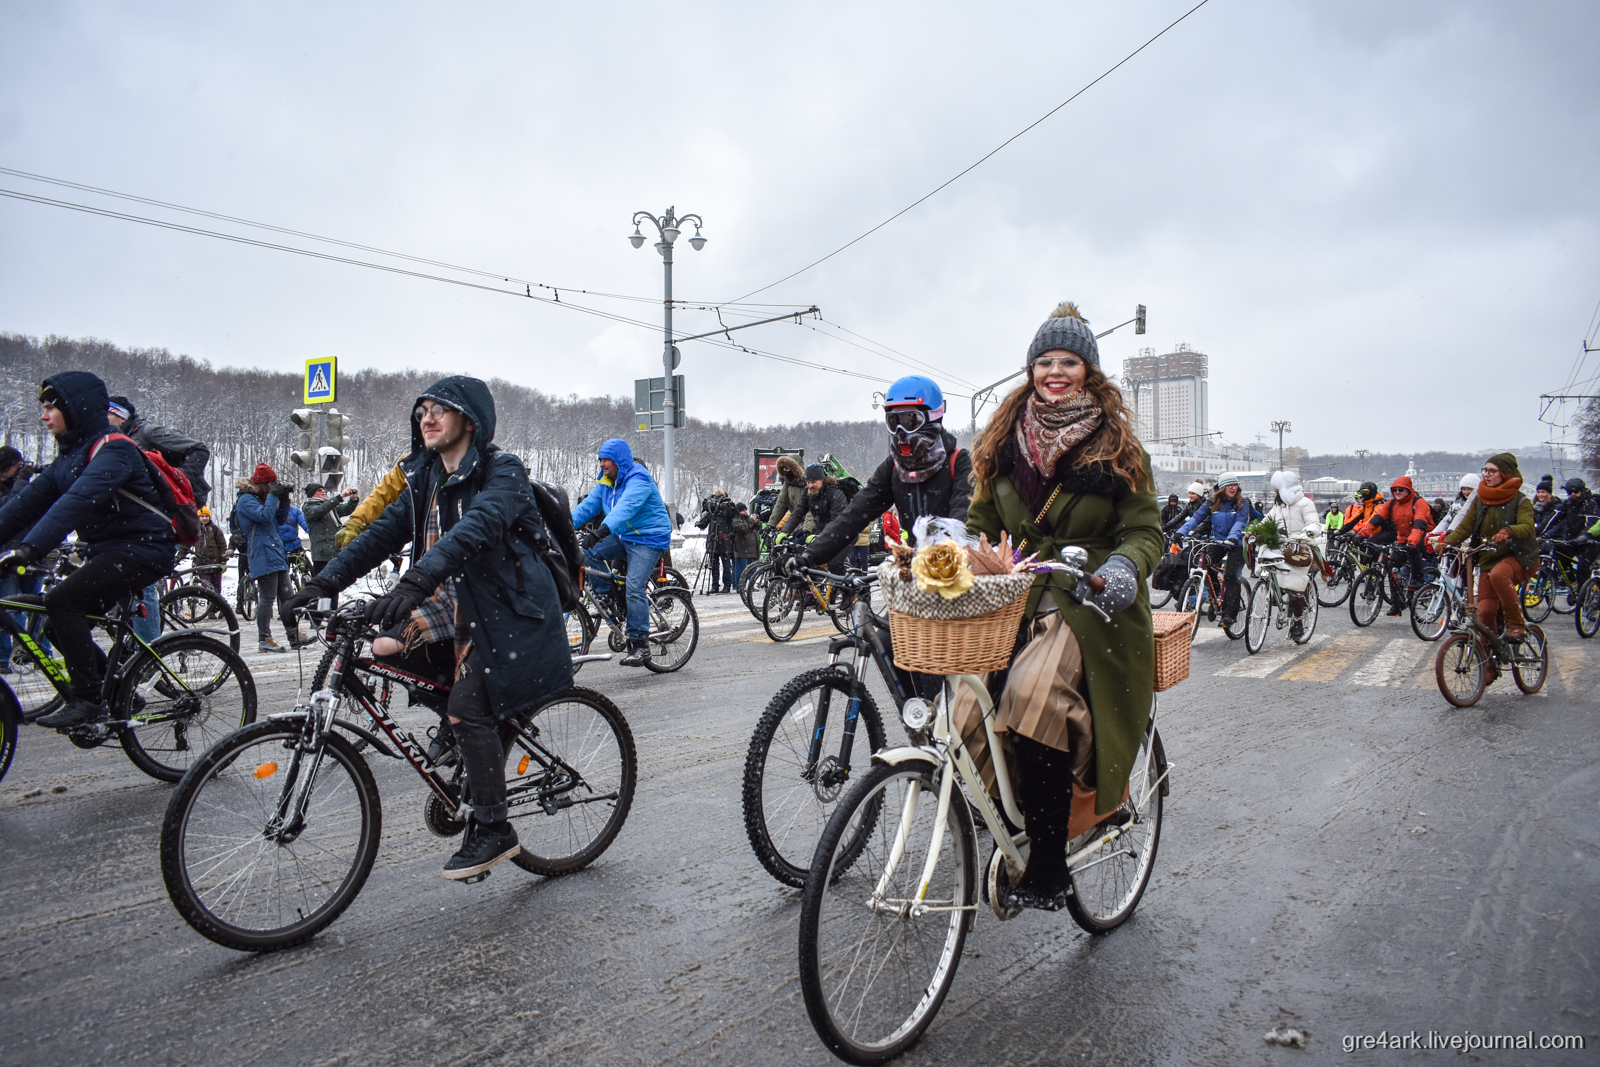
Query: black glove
[[790, 566], [392, 609], [316, 589], [16, 560]]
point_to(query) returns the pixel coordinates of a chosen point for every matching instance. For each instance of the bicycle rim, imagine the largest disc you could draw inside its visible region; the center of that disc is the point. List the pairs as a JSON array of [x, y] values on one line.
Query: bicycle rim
[[782, 609], [1189, 601], [1338, 587], [674, 630], [10, 726], [1258, 622], [875, 966], [1460, 670], [233, 875], [570, 777], [1587, 617], [1429, 611], [177, 707], [1107, 885], [1366, 598], [1530, 677]]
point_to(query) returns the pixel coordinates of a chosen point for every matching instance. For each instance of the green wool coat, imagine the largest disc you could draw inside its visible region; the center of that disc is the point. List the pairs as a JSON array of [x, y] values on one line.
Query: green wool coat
[[1482, 521], [1119, 657]]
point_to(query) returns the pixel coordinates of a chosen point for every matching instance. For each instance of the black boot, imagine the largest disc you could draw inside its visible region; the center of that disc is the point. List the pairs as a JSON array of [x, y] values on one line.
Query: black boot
[[485, 845], [638, 653], [1045, 795]]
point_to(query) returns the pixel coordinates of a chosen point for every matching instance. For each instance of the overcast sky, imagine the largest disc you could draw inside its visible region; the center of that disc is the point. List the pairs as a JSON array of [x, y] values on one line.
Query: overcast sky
[[1379, 219]]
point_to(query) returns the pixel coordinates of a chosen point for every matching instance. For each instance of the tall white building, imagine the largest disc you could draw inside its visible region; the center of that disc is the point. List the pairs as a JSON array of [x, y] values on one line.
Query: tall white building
[[1169, 395]]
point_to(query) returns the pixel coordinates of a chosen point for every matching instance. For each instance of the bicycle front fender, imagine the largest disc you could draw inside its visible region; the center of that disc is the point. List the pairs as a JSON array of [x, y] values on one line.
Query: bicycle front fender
[[893, 757]]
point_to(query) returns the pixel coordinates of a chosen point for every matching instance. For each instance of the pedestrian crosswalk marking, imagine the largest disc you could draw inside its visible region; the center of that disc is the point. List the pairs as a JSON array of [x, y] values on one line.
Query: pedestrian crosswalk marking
[[1330, 662], [1393, 666], [1265, 663]]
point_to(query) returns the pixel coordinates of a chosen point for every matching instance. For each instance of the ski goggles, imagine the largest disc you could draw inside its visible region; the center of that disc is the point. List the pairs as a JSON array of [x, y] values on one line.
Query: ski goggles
[[908, 419]]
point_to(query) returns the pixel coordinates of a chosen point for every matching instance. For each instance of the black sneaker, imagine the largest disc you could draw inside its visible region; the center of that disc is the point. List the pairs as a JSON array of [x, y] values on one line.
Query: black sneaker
[[76, 713], [485, 845], [1296, 629], [442, 750], [638, 654]]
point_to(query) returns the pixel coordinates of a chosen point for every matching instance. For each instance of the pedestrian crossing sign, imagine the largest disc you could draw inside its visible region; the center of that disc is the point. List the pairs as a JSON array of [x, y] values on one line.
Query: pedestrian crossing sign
[[320, 379]]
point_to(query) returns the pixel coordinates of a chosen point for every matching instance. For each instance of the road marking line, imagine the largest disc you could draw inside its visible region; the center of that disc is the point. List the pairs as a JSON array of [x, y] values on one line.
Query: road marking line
[[1208, 632], [1567, 663], [1331, 662], [803, 635], [1394, 664], [1264, 663]]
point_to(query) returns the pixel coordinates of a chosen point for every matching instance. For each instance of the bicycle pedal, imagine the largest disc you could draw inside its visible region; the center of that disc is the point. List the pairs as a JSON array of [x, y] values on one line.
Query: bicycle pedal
[[475, 879]]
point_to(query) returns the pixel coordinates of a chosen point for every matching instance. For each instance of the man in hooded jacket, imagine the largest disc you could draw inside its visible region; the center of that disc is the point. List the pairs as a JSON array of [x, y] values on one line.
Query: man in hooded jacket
[[102, 489], [179, 449], [635, 529], [467, 510]]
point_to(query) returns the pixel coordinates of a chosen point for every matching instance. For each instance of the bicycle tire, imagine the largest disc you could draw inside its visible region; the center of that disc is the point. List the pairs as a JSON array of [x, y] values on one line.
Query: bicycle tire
[[180, 606], [247, 599], [779, 748], [753, 586], [1189, 601], [1563, 594], [1536, 598], [863, 1013], [1158, 597], [782, 610], [1367, 598], [1430, 611], [194, 719], [1258, 620], [599, 750], [580, 634], [1587, 616], [1523, 674], [1337, 588], [1460, 669], [208, 830], [674, 630], [1241, 617], [841, 607], [1105, 893], [10, 727]]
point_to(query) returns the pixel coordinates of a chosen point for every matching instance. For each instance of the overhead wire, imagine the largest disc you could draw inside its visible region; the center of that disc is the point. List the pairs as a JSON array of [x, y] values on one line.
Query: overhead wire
[[984, 159]]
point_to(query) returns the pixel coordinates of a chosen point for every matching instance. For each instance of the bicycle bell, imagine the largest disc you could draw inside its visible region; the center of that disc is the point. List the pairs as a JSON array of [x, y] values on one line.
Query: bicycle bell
[[1075, 556]]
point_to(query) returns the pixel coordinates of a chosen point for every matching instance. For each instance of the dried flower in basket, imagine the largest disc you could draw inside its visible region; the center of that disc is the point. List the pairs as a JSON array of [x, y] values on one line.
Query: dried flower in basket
[[985, 558], [942, 569], [903, 555]]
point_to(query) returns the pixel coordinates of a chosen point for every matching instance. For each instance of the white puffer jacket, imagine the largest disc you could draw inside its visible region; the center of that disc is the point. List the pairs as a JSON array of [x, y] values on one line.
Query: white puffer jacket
[[1295, 511]]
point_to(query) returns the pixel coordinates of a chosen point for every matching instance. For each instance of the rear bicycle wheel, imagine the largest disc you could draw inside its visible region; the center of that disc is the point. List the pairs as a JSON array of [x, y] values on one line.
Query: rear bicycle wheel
[[787, 800], [782, 609], [1460, 669], [10, 726], [674, 630], [580, 634], [1430, 611], [247, 599], [1337, 586], [1241, 618], [1367, 597], [1531, 666], [1587, 616], [876, 957], [1107, 885], [197, 607], [1536, 597], [1258, 618], [178, 706], [570, 776], [240, 866]]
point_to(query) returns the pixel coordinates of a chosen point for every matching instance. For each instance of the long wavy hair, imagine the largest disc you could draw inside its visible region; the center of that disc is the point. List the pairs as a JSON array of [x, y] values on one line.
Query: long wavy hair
[[1113, 444]]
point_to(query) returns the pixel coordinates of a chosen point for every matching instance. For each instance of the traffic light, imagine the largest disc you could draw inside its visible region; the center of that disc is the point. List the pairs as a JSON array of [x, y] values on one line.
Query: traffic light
[[331, 458], [1138, 319], [304, 420]]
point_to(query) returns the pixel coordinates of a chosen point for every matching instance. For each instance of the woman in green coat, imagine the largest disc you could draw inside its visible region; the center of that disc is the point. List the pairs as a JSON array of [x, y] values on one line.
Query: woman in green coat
[[1058, 465]]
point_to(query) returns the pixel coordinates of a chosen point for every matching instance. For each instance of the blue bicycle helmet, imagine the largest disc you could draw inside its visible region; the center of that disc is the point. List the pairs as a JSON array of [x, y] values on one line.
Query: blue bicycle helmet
[[914, 390]]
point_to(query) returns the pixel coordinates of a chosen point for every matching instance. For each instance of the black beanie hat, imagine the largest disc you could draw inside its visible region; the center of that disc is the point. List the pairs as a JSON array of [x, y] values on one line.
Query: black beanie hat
[[815, 473], [9, 457], [1548, 483]]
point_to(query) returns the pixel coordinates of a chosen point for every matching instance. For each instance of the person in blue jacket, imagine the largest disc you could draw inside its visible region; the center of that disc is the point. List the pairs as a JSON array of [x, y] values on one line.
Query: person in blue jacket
[[104, 490], [636, 528], [291, 527], [1228, 512], [262, 510]]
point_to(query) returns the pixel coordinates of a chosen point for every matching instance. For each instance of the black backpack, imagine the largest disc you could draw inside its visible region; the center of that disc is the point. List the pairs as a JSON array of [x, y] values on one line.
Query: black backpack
[[555, 541], [851, 486]]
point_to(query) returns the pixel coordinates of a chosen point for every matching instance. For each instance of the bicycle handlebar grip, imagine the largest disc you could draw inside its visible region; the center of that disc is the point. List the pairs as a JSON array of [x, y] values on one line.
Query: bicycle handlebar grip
[[1095, 583]]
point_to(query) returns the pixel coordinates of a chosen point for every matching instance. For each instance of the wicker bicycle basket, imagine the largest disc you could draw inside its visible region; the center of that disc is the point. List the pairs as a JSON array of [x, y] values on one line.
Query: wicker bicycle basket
[[958, 641], [1172, 647]]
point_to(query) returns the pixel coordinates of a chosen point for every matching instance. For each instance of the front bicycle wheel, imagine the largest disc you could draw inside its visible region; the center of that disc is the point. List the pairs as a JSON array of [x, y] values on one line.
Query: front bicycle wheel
[[674, 630], [180, 699], [247, 599], [251, 863], [1337, 587], [1460, 669], [788, 799], [10, 725], [1107, 884], [1258, 620], [1430, 611], [1189, 598], [570, 776], [1531, 665], [782, 609], [196, 607], [878, 950], [1367, 598], [1587, 616], [1536, 597], [580, 634], [1241, 617]]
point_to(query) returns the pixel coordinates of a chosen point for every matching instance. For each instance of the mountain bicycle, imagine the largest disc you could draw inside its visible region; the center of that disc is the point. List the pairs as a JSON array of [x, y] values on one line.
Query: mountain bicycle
[[805, 749], [168, 699], [674, 623], [1555, 586], [1348, 558], [1381, 583], [1474, 656], [787, 597], [189, 605], [1270, 602], [1586, 615], [1441, 603], [893, 888], [274, 830], [1202, 593], [753, 583]]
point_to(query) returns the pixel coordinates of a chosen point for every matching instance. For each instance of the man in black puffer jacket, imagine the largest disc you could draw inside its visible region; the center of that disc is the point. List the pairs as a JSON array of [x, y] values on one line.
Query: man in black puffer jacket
[[473, 583], [102, 489], [824, 501]]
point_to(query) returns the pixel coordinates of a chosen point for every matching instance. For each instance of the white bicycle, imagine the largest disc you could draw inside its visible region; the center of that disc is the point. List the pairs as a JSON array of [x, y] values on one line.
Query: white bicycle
[[894, 884]]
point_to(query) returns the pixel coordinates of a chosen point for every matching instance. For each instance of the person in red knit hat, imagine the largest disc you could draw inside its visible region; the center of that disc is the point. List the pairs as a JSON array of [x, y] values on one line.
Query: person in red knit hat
[[262, 507]]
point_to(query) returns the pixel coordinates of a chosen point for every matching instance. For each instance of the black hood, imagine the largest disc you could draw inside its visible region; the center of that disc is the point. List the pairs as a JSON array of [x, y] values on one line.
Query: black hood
[[84, 398], [470, 396]]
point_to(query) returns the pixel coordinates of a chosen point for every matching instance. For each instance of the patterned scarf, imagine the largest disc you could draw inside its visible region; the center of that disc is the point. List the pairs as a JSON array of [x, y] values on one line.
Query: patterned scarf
[[440, 617], [1049, 430]]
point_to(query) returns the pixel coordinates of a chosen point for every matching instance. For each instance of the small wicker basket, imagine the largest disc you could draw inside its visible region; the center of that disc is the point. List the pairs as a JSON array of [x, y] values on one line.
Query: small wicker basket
[[974, 645], [1172, 647]]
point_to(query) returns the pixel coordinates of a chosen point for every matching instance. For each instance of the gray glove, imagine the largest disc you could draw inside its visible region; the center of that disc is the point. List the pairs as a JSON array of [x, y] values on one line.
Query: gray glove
[[1122, 584]]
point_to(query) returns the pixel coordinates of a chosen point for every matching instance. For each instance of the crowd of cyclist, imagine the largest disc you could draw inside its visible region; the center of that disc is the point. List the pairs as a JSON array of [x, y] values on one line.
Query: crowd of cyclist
[[480, 608]]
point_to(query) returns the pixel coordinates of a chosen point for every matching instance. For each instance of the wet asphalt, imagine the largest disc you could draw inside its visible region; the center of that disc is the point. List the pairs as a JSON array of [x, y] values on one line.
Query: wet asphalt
[[1342, 853]]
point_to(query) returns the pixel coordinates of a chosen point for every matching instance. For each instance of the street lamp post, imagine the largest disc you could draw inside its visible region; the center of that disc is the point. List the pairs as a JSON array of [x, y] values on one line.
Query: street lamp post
[[667, 226], [1281, 428], [1362, 454]]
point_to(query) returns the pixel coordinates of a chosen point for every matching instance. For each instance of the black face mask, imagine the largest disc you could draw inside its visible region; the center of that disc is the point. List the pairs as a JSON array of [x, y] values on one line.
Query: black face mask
[[918, 456]]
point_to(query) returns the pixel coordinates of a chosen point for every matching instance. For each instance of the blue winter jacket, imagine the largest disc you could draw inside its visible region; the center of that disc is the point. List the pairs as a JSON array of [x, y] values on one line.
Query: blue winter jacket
[[258, 520], [75, 494], [631, 504], [291, 529], [1227, 522]]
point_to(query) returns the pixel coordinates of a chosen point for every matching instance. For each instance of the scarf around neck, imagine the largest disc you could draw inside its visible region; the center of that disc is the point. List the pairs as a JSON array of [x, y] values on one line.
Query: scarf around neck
[[1046, 431]]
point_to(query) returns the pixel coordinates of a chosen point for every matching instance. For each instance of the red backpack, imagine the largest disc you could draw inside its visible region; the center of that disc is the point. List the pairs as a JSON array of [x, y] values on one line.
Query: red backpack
[[172, 485]]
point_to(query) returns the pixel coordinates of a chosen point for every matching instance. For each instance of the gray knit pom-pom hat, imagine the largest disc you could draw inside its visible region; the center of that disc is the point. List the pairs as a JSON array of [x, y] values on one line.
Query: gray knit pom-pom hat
[[1065, 329]]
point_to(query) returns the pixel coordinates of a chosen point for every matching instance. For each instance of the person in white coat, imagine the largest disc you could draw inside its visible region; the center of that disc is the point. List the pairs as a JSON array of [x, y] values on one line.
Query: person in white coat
[[1458, 506], [1294, 512]]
